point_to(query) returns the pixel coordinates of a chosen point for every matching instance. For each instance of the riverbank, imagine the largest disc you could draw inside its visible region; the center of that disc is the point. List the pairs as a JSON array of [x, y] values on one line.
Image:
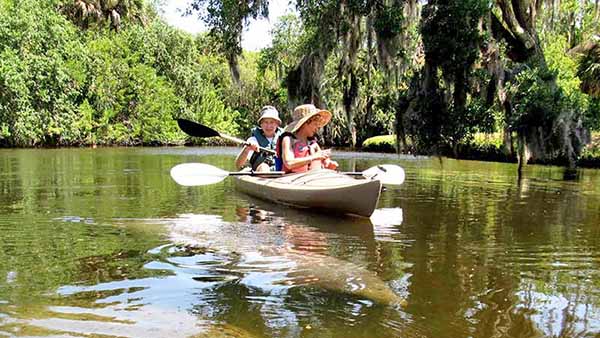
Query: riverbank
[[484, 147], [487, 147]]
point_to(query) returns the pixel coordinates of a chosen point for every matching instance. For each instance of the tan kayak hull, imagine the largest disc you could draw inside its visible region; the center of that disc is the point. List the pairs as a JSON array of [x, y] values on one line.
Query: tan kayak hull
[[323, 190]]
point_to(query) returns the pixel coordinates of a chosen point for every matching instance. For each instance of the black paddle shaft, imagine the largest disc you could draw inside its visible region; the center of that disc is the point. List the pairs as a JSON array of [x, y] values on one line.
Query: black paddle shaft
[[257, 173], [199, 130]]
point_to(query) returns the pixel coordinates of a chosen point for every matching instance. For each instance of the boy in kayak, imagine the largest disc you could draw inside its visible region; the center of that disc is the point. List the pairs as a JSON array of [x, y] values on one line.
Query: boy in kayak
[[265, 136], [297, 149]]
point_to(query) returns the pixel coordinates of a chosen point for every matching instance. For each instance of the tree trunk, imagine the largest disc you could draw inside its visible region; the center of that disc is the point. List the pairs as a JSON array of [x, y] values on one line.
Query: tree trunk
[[517, 28], [232, 61], [596, 12], [552, 16], [522, 155], [520, 23], [535, 140], [460, 89], [571, 32], [350, 95]]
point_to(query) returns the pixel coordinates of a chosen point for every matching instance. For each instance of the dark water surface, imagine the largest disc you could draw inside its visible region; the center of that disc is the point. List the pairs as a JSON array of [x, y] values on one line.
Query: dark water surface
[[102, 243]]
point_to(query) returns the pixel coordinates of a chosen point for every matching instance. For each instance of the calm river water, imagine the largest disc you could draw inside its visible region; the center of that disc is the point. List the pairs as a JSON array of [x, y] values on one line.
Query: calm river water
[[103, 243]]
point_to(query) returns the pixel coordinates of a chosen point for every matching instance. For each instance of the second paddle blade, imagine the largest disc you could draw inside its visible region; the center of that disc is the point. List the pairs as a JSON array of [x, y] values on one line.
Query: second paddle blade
[[388, 174], [193, 174]]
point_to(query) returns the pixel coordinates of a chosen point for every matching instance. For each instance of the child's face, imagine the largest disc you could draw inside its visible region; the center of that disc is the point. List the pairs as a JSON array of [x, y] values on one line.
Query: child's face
[[269, 126], [312, 125]]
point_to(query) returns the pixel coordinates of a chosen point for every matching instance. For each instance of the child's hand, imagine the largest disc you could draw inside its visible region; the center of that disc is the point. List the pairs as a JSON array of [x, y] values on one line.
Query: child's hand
[[253, 145], [329, 164]]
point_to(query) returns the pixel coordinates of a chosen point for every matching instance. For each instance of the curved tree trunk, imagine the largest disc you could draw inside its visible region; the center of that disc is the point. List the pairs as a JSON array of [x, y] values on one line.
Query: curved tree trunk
[[517, 28], [557, 134]]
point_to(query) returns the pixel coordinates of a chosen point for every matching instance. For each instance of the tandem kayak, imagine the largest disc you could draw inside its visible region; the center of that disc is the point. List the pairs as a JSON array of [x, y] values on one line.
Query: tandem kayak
[[322, 189]]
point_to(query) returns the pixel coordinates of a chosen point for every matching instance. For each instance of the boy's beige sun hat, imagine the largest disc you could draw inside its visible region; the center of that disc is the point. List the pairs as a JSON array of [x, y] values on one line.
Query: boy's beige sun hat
[[303, 113], [269, 112]]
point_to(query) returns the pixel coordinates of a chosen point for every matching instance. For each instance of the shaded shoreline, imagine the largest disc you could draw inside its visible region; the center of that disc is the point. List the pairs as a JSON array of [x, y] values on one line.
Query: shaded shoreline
[[489, 148], [465, 152]]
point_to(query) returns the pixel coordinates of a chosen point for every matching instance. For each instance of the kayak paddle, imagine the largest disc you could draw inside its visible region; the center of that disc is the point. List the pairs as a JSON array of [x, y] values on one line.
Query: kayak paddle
[[199, 130], [193, 174], [388, 174]]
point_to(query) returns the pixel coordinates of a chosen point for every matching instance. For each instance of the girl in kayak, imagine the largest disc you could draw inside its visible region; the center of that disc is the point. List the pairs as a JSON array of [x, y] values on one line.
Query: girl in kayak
[[297, 148], [264, 136]]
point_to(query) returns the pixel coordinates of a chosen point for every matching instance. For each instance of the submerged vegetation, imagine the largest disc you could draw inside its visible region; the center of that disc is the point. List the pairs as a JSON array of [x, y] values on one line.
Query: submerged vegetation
[[435, 74]]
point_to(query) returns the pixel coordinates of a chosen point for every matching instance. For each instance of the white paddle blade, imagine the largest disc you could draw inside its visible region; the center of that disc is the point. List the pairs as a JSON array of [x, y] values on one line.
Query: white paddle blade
[[193, 174], [388, 174]]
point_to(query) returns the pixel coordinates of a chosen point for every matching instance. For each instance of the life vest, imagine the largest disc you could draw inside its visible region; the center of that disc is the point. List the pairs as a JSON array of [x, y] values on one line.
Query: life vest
[[259, 157], [300, 149]]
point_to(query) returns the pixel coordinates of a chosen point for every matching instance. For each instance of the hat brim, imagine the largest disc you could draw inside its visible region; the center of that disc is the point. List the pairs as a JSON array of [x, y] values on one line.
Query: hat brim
[[269, 117], [295, 125]]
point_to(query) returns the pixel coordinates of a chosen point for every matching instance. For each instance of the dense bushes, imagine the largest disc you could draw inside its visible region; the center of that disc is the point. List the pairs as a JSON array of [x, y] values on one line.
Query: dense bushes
[[486, 147], [382, 143], [591, 153], [61, 85], [39, 87]]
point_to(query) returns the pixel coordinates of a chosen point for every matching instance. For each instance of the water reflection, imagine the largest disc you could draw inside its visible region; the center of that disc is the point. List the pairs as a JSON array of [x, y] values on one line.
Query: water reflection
[[290, 282], [104, 243], [267, 247], [260, 275]]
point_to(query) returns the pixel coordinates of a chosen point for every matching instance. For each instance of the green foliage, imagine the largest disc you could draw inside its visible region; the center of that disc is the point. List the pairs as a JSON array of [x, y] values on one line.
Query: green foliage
[[589, 71], [488, 139], [285, 50], [535, 103], [462, 124], [590, 156], [593, 114], [564, 66], [549, 121], [99, 13], [154, 76], [572, 77], [66, 79], [574, 20], [451, 35], [446, 111], [63, 86], [226, 19], [256, 89], [484, 146], [388, 20], [381, 143], [38, 75]]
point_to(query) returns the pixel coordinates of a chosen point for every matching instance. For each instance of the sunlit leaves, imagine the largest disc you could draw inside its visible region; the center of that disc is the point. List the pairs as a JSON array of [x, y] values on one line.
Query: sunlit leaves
[[226, 20], [60, 86], [90, 13]]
